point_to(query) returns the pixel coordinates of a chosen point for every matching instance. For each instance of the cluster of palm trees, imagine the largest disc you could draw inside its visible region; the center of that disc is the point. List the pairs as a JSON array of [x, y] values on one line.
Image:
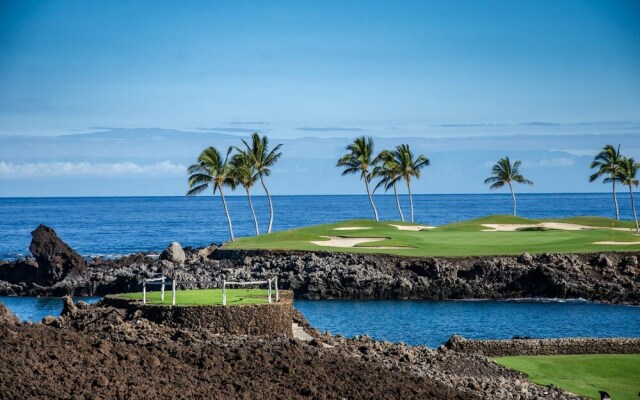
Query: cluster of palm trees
[[245, 166], [613, 166], [389, 166], [239, 167]]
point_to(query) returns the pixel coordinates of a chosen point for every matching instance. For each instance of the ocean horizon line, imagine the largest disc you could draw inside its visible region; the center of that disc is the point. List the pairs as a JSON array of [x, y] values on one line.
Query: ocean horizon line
[[309, 195]]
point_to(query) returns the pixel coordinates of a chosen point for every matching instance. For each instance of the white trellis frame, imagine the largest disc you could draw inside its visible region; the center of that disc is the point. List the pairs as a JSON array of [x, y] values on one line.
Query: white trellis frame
[[153, 281], [162, 281], [272, 282]]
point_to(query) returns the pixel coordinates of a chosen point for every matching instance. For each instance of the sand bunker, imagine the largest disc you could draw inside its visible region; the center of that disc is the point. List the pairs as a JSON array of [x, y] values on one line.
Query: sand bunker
[[351, 228], [618, 243], [346, 242], [548, 225], [412, 227], [336, 241]]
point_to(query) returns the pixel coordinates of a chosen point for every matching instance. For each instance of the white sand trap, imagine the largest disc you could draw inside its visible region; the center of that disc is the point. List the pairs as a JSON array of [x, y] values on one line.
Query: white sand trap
[[549, 225], [351, 228], [415, 228], [336, 241], [618, 243]]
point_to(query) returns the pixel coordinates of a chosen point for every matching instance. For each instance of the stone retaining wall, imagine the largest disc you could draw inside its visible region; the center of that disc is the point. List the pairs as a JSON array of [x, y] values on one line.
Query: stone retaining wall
[[273, 319], [534, 347]]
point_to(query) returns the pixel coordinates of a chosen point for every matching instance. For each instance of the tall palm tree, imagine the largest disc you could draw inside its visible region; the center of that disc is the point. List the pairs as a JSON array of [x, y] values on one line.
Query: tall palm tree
[[389, 172], [608, 163], [263, 160], [626, 174], [504, 172], [359, 159], [212, 169], [409, 167], [244, 173]]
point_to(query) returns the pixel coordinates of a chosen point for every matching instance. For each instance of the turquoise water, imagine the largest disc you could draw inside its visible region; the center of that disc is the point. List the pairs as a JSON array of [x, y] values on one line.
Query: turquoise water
[[121, 225], [433, 322]]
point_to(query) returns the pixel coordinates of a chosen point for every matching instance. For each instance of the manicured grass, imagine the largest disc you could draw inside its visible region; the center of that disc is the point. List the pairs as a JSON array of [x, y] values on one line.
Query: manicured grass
[[617, 374], [459, 239], [204, 297]]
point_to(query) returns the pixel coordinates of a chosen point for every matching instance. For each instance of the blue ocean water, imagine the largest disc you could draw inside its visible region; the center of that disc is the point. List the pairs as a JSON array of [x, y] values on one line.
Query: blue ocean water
[[432, 323], [122, 225], [35, 308]]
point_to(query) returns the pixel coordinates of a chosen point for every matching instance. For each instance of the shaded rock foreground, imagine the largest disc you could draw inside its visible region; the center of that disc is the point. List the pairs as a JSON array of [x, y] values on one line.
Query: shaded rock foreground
[[104, 352]]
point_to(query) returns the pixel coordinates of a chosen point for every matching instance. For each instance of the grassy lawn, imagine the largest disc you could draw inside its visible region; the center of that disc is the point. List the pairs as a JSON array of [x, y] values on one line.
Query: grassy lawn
[[204, 296], [467, 238], [617, 374]]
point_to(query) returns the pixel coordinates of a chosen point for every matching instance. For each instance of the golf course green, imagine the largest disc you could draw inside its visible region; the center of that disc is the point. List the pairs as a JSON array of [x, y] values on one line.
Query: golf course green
[[201, 297], [617, 374], [494, 235]]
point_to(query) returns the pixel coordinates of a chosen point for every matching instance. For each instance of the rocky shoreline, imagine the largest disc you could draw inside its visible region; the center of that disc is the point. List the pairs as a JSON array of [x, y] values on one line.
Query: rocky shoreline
[[100, 351], [56, 270]]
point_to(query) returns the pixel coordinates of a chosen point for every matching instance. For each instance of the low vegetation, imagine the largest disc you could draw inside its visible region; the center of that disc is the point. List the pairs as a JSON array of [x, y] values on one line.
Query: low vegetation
[[201, 297], [469, 238], [586, 375]]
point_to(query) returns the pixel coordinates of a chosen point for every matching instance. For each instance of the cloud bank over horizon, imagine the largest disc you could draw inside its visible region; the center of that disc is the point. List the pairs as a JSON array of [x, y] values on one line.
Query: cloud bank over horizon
[[151, 161]]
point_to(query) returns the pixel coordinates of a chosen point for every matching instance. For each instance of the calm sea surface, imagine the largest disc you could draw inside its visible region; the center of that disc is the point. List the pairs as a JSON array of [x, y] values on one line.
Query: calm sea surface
[[431, 322], [120, 225]]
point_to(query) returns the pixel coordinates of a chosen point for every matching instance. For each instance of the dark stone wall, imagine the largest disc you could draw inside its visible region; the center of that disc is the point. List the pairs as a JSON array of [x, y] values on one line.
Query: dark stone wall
[[535, 347], [273, 319]]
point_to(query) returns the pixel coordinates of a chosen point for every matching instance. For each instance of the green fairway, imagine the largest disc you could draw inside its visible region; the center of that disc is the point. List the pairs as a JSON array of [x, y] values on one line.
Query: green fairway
[[205, 297], [469, 238], [617, 374]]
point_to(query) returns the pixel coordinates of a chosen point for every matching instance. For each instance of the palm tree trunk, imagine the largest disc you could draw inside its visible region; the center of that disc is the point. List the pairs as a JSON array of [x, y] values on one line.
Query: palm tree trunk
[[375, 211], [615, 201], [226, 211], [270, 204], [255, 219], [395, 192], [633, 207], [513, 196], [410, 198]]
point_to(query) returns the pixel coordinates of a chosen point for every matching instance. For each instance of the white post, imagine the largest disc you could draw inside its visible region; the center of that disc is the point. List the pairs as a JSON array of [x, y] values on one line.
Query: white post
[[144, 291], [162, 290], [269, 280], [173, 291], [277, 293], [224, 293]]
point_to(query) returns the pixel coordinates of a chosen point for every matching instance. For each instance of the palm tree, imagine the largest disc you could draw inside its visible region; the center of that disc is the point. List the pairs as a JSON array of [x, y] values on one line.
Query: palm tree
[[389, 173], [503, 172], [262, 160], [359, 159], [626, 174], [608, 163], [408, 167], [245, 174], [211, 169]]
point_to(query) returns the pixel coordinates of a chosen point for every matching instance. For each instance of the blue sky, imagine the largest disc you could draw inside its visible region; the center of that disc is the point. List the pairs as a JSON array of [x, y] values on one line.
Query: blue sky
[[424, 70]]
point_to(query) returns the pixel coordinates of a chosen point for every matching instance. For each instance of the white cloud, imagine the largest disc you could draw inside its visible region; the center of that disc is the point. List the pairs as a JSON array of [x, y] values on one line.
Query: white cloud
[[118, 169], [557, 162]]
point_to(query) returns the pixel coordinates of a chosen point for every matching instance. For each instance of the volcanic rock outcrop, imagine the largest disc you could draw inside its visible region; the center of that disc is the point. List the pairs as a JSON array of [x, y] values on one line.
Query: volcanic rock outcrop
[[54, 265], [603, 277]]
